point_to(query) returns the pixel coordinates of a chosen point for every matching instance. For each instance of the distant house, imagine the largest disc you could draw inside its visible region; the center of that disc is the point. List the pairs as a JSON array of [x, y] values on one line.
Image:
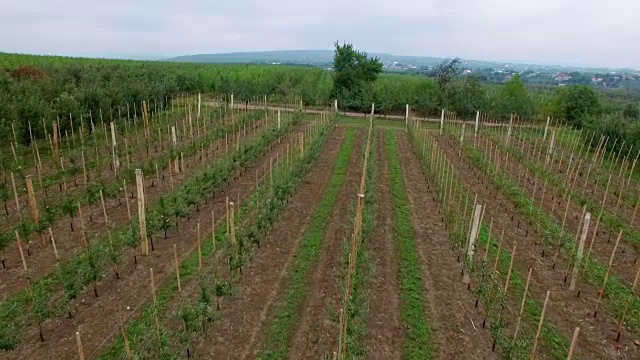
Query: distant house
[[561, 77]]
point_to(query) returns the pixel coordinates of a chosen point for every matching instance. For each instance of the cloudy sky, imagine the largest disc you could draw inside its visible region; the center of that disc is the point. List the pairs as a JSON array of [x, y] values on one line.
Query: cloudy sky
[[576, 32]]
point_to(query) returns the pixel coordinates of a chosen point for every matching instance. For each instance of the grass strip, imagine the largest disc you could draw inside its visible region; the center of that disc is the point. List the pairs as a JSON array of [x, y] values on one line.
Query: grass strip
[[281, 330], [418, 343]]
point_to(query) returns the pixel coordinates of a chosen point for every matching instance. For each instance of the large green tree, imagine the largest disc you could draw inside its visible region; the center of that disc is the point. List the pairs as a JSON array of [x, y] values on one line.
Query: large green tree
[[513, 99], [577, 102], [354, 74]]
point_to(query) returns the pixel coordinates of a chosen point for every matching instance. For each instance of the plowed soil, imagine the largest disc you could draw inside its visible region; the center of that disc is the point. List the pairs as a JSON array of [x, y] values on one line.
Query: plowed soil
[[99, 318]]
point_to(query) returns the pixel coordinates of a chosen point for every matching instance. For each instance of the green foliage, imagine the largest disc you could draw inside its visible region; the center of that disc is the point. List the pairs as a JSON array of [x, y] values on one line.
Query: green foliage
[[467, 96], [354, 73], [513, 98], [577, 102], [631, 112]]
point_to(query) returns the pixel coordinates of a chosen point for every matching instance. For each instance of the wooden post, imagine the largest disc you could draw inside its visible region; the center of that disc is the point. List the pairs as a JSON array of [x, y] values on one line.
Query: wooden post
[[104, 210], [113, 147], [141, 213], [126, 198], [213, 231], [441, 121], [175, 258], [574, 341], [199, 246], [55, 139], [535, 341], [606, 275], [199, 103], [79, 343], [524, 300], [506, 284], [583, 238], [278, 118], [477, 124], [228, 217], [55, 248], [472, 239], [546, 129], [15, 195], [232, 234], [24, 261], [33, 205], [84, 171]]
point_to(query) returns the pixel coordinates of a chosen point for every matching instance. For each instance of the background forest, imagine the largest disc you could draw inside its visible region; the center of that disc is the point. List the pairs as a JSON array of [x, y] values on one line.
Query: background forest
[[33, 88]]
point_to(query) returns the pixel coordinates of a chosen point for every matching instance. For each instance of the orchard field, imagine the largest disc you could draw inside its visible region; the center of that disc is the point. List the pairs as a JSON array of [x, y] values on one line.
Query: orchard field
[[208, 229]]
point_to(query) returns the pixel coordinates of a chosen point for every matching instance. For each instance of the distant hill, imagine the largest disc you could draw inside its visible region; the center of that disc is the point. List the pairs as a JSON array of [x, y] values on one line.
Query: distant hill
[[324, 58], [301, 57]]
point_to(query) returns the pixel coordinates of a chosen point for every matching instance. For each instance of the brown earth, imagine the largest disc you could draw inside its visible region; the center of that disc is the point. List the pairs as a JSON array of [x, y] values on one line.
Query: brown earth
[[316, 333], [98, 318], [69, 243], [104, 169], [455, 321], [244, 317], [625, 264], [596, 340]]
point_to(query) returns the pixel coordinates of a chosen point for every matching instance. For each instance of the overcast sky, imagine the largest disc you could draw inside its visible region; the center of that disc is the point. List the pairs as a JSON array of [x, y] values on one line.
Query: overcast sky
[[576, 32]]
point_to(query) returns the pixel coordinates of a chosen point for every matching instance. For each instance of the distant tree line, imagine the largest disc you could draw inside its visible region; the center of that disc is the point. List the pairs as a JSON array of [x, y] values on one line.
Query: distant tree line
[[37, 87]]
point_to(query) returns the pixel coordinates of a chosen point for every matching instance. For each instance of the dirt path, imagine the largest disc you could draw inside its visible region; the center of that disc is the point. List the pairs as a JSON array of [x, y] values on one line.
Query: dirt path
[[243, 317], [451, 304], [317, 331], [98, 319], [385, 331], [596, 340]]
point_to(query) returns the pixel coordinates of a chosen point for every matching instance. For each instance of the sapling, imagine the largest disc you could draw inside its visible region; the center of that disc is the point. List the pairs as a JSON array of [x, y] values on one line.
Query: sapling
[[165, 221]]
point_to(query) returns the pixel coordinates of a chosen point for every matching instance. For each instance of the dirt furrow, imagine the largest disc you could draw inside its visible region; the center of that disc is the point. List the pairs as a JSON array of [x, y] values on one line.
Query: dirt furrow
[[385, 331], [243, 317], [596, 340], [317, 331], [455, 320]]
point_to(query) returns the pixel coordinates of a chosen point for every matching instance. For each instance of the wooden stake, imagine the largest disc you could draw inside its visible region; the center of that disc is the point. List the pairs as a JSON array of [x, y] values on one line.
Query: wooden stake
[[213, 232], [33, 205], [104, 210], [574, 341], [24, 261], [524, 300], [606, 275], [583, 238], [199, 247], [506, 284], [535, 341], [175, 258], [153, 287], [141, 213], [79, 343], [15, 195], [55, 248], [126, 198]]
